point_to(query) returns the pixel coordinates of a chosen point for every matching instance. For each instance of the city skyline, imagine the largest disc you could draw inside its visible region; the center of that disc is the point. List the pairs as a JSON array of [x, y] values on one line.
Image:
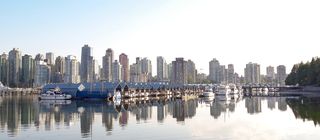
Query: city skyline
[[194, 30]]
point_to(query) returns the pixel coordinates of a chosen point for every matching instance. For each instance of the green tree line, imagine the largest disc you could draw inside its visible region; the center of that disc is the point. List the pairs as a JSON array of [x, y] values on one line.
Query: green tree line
[[305, 73]]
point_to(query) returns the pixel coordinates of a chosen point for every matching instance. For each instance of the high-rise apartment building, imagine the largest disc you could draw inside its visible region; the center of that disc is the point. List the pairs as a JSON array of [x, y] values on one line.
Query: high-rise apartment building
[[86, 69], [107, 62], [125, 69], [14, 67], [252, 73], [27, 71], [214, 68], [4, 65], [179, 71], [281, 75], [116, 71]]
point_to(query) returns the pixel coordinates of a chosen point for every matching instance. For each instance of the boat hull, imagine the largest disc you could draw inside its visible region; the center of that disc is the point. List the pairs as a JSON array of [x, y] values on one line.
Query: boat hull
[[56, 97]]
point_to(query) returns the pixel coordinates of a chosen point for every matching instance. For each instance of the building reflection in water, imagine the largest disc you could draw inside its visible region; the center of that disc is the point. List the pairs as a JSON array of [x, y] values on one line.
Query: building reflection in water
[[253, 105], [18, 113]]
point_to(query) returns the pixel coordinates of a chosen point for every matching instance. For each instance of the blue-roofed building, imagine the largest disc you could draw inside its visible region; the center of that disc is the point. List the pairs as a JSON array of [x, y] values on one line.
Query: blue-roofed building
[[87, 90]]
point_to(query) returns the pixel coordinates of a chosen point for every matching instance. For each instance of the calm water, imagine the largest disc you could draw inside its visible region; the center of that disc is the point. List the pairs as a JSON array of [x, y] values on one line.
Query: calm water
[[248, 118]]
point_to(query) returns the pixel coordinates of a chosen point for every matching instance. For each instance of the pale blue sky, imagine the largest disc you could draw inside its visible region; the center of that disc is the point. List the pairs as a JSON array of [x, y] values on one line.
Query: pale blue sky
[[269, 32]]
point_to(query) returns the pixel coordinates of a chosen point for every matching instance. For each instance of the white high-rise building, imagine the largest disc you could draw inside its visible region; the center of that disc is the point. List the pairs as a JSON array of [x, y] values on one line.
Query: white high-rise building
[[42, 73], [162, 69], [116, 77], [71, 70], [146, 68]]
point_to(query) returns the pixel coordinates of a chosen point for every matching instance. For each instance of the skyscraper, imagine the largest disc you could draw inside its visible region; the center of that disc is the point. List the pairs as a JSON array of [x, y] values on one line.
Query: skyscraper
[[116, 71], [125, 72], [141, 70], [281, 75], [179, 71], [4, 65], [146, 68], [214, 68], [252, 73], [107, 61], [42, 73], [191, 72], [162, 69], [231, 78], [71, 70], [14, 67], [223, 74], [86, 70], [97, 71], [50, 58], [59, 70], [135, 71], [169, 68], [27, 72], [270, 77]]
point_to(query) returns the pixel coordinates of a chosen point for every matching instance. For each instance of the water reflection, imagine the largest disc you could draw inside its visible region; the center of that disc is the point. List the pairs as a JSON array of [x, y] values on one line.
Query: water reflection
[[27, 112], [306, 108]]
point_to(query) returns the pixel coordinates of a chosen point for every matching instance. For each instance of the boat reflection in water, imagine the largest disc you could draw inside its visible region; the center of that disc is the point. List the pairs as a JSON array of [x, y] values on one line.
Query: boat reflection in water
[[28, 113]]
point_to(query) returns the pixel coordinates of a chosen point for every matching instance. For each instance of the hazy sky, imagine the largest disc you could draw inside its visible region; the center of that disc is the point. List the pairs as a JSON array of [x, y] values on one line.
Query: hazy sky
[[268, 32]]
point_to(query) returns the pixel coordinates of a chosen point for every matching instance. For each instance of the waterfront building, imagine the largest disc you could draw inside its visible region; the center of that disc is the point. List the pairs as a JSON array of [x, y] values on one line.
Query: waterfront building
[[4, 65], [222, 75], [191, 72], [14, 67], [162, 69], [169, 69], [125, 69], [71, 70], [146, 68], [86, 70], [107, 62], [27, 71], [214, 68], [136, 74], [97, 71], [252, 73], [59, 70], [270, 77], [281, 75], [116, 71], [230, 74], [179, 71], [42, 73]]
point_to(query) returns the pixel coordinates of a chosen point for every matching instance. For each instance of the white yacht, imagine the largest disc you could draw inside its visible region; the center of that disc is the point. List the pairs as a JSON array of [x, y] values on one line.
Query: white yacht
[[54, 95], [233, 88], [208, 92], [223, 92], [117, 95]]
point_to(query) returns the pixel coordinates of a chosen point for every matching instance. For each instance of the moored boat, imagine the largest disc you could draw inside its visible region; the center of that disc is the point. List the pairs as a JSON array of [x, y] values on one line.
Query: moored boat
[[208, 92], [54, 95]]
